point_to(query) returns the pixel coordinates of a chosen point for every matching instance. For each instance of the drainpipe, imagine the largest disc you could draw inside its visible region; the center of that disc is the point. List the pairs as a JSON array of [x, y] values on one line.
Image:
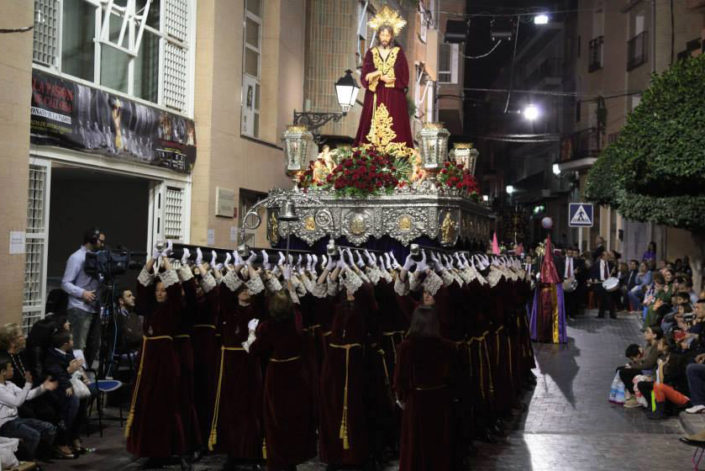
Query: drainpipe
[[653, 36]]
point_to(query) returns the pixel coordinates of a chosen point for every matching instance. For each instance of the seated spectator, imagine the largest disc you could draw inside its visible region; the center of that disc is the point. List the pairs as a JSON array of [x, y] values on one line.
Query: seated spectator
[[674, 318], [670, 388], [686, 286], [695, 372], [641, 284], [39, 341], [638, 364], [659, 303], [31, 432], [61, 365]]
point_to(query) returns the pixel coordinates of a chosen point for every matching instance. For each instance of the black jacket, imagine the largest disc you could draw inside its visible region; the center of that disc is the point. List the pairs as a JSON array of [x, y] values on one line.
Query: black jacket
[[56, 365]]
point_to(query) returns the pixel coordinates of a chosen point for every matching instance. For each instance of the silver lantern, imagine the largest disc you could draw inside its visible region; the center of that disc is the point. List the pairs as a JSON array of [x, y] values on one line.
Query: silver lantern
[[434, 146], [298, 147], [465, 154]]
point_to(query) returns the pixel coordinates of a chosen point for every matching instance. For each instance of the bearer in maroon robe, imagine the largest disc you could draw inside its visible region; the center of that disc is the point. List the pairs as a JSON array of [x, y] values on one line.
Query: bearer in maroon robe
[[289, 425], [236, 428], [385, 76], [343, 428], [154, 426], [424, 382]]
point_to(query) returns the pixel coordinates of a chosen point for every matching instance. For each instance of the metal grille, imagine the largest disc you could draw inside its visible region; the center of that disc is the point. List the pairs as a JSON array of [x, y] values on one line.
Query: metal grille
[[173, 213], [33, 272], [176, 19], [175, 76], [46, 31], [35, 202]]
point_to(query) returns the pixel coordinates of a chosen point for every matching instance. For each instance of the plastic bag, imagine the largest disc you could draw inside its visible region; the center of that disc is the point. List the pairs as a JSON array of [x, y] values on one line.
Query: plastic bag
[[80, 389], [8, 447], [617, 390]]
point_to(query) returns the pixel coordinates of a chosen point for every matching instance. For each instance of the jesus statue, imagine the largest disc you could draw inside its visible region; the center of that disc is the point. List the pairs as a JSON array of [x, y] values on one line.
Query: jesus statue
[[385, 76]]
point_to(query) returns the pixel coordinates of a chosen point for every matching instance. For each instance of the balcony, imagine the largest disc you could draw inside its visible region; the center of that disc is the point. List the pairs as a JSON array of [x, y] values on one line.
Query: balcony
[[548, 73], [595, 53], [580, 149], [637, 50]]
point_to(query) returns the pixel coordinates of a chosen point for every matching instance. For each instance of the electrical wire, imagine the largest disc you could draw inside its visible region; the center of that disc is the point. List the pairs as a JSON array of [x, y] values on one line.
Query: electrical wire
[[511, 70], [485, 54], [16, 30]]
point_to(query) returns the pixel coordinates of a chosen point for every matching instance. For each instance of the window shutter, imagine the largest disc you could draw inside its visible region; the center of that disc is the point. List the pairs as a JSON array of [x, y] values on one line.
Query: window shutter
[[36, 243], [46, 32], [175, 76]]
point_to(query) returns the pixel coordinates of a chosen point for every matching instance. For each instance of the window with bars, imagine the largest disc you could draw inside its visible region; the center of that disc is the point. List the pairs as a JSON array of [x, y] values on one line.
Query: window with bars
[[35, 245], [157, 69], [46, 17], [251, 68], [173, 213]]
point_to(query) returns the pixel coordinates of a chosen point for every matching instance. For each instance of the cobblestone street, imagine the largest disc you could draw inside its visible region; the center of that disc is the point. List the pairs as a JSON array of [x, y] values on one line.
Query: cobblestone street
[[568, 425]]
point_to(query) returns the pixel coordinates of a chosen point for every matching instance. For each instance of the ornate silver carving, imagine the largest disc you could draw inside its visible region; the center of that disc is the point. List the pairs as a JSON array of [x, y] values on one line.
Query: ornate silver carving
[[406, 215]]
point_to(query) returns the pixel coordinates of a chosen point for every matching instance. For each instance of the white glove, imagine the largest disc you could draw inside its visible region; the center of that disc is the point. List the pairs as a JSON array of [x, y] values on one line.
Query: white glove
[[251, 258], [199, 256], [228, 258], [265, 260], [282, 259], [341, 260], [314, 260], [449, 262], [167, 251], [408, 263], [252, 325], [387, 262], [371, 258], [395, 264], [185, 256], [330, 264], [360, 261], [237, 259], [286, 272], [214, 256], [309, 262], [421, 265]]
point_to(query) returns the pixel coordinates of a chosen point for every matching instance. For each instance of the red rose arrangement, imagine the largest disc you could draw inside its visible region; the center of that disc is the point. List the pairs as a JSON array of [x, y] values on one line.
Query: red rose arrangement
[[456, 176], [363, 172]]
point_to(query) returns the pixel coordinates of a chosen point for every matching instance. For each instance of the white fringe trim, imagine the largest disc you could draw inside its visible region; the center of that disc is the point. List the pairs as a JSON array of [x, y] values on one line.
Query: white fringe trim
[[169, 278], [432, 283], [351, 281], [208, 283], [232, 281], [145, 278], [255, 285]]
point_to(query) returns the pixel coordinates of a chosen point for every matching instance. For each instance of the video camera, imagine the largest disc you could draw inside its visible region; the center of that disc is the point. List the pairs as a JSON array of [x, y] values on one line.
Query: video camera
[[107, 263]]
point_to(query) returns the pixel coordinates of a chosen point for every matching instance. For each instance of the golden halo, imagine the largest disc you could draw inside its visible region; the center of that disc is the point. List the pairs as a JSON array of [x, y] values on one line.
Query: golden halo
[[387, 16]]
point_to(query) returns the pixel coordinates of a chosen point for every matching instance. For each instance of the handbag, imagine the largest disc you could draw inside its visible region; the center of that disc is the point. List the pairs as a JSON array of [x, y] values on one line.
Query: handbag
[[80, 390], [617, 390]]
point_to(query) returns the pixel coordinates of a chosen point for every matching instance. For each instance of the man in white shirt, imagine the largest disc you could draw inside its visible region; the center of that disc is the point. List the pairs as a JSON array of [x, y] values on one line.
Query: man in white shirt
[[30, 431]]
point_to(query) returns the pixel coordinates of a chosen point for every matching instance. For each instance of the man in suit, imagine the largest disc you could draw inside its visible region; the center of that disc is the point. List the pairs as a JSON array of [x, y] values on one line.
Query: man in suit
[[571, 268], [601, 270]]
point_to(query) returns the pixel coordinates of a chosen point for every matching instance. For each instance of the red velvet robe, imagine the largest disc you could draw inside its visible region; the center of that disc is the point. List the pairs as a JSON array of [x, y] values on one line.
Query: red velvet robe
[[423, 381], [156, 430], [289, 424], [385, 101], [206, 352], [343, 432], [236, 428]]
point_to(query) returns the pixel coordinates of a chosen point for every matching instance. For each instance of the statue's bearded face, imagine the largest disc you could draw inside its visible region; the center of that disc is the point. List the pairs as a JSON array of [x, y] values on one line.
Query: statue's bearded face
[[385, 36]]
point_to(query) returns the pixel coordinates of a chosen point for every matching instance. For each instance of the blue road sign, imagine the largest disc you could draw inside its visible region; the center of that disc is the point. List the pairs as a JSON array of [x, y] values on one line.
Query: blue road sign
[[580, 214]]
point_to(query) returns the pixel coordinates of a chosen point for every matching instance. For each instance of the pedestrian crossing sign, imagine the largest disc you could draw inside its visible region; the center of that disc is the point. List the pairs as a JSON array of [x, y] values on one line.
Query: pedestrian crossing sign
[[580, 214]]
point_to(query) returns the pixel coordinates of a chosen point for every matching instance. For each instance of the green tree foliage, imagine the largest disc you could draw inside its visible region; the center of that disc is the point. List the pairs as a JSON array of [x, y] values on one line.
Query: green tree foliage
[[655, 170]]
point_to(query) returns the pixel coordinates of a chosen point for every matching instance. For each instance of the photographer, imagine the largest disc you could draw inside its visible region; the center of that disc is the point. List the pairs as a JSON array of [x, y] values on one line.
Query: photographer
[[82, 307]]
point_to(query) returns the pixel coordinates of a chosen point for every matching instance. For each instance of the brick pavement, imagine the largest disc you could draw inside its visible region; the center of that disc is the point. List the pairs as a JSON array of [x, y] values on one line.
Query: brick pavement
[[568, 425]]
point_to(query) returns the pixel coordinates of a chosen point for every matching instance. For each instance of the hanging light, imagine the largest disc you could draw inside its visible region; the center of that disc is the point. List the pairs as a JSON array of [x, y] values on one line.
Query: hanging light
[[541, 19], [346, 88], [531, 112], [509, 189], [556, 169]]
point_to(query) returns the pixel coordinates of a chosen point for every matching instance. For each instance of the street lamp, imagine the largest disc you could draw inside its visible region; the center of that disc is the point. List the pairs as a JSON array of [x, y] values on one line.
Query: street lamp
[[509, 189], [541, 19], [531, 112], [346, 90], [556, 169]]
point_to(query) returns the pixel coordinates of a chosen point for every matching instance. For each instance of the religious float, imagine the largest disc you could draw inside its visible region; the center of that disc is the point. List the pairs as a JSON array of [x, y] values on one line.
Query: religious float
[[381, 192]]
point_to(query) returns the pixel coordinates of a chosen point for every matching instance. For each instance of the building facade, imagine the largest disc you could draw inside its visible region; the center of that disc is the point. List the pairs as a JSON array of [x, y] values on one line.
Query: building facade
[[620, 44]]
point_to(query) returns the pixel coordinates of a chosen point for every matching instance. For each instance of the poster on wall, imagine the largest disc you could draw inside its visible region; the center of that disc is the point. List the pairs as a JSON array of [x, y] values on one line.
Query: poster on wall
[[75, 116]]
